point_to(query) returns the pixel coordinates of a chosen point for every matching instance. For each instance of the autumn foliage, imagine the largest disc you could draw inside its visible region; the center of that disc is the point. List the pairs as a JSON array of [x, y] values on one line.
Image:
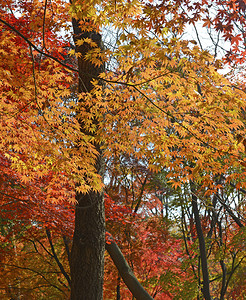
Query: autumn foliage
[[168, 116]]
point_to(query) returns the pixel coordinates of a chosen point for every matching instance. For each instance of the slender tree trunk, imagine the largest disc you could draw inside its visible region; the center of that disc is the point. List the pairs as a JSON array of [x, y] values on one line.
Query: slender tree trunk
[[202, 248], [87, 254]]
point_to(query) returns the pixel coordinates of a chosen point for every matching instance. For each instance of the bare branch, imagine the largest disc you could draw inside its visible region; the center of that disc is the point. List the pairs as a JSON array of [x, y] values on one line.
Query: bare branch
[[56, 257]]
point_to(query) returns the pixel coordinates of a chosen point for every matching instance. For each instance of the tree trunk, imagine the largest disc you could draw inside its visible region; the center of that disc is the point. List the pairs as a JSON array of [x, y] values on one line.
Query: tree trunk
[[202, 248], [87, 253]]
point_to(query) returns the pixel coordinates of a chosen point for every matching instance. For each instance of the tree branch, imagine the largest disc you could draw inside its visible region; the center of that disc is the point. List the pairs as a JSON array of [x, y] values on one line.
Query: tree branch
[[35, 47], [125, 271], [230, 212], [56, 258]]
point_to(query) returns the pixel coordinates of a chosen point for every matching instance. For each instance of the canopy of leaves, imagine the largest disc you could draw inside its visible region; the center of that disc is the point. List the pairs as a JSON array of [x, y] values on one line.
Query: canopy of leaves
[[162, 109]]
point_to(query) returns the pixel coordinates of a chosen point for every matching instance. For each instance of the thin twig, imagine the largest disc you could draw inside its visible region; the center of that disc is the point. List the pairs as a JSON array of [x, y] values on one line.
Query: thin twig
[[36, 48]]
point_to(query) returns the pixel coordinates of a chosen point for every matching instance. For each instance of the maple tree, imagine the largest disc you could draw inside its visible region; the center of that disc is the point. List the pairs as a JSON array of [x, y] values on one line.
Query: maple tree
[[26, 221], [220, 225], [154, 96]]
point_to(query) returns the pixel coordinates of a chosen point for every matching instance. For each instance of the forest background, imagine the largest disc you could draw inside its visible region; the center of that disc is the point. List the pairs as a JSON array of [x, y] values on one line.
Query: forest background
[[113, 117]]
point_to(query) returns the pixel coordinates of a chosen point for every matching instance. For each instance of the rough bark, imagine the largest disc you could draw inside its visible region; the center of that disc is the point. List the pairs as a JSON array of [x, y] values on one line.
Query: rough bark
[[87, 253]]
